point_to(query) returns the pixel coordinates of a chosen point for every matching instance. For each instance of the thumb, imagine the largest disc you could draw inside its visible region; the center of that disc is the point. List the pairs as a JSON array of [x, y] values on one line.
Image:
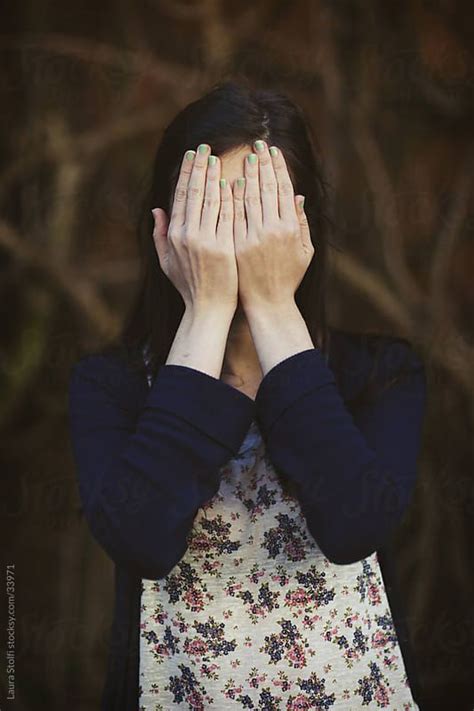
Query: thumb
[[304, 225], [160, 234]]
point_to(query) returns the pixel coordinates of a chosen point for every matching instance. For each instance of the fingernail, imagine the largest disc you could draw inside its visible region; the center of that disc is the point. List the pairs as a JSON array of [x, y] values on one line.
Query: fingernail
[[202, 148], [223, 182], [273, 151], [211, 160], [252, 158], [241, 182], [190, 155], [259, 145], [302, 202]]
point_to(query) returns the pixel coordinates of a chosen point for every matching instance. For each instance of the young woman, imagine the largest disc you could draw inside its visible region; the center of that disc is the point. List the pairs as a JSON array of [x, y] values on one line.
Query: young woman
[[243, 464]]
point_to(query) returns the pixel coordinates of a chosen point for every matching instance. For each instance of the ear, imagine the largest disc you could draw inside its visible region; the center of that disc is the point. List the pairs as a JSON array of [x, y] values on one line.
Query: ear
[[160, 234]]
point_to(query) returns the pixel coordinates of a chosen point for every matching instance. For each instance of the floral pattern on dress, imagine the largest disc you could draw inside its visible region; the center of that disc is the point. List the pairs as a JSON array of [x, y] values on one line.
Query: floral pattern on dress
[[254, 616]]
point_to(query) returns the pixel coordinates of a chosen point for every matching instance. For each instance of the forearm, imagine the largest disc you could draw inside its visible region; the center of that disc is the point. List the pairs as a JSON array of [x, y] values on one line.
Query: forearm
[[353, 470], [278, 332], [201, 339], [148, 458]]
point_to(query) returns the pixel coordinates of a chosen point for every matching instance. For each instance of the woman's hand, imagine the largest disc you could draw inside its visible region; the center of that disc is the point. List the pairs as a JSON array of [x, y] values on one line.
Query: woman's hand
[[273, 247], [195, 247]]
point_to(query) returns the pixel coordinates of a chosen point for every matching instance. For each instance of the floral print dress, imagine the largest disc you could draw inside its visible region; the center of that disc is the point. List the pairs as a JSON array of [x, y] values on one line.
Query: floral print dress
[[254, 616]]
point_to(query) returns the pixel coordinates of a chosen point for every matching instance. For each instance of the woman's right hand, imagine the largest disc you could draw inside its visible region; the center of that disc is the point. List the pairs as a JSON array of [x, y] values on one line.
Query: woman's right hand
[[196, 246]]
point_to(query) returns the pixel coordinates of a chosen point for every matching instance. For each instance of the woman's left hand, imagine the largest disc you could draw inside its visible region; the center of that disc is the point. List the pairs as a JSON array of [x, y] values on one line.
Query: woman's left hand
[[272, 240]]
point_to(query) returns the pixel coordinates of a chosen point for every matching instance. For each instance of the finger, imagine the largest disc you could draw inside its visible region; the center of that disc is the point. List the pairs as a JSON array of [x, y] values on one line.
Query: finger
[[304, 224], [212, 198], [178, 210], [240, 221], [196, 189], [159, 234], [253, 206], [226, 213], [286, 193], [268, 183]]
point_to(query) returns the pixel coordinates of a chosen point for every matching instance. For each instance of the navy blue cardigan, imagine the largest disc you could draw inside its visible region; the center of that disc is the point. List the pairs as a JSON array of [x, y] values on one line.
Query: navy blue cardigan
[[148, 458]]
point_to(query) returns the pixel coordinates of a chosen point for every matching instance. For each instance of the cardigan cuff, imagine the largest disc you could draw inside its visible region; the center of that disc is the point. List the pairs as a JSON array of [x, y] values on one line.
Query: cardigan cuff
[[209, 404], [288, 381]]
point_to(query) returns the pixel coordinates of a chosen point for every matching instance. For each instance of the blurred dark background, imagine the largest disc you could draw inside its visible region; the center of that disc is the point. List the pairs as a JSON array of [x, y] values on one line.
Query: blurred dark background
[[86, 89]]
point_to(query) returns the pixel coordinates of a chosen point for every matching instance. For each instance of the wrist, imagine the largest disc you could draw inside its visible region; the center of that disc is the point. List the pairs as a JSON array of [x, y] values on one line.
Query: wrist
[[270, 310], [205, 312]]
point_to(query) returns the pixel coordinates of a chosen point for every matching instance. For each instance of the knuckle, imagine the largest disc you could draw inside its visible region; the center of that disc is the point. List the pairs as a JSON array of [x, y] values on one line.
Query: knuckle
[[174, 232], [222, 253], [286, 188], [181, 194], [211, 203], [252, 199], [293, 226], [203, 247], [183, 174], [194, 192], [225, 216], [269, 186]]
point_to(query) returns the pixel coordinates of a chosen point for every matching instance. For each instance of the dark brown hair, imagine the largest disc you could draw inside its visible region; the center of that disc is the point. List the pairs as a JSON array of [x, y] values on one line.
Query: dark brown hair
[[231, 115]]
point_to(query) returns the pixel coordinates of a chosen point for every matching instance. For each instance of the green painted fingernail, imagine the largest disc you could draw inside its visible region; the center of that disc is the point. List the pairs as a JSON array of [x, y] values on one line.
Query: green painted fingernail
[[241, 182], [223, 182], [302, 202], [259, 145], [190, 155], [252, 158], [273, 151], [202, 148], [212, 160]]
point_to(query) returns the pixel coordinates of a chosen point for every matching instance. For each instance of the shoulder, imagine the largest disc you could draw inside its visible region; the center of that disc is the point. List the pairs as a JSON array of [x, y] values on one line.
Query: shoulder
[[358, 359]]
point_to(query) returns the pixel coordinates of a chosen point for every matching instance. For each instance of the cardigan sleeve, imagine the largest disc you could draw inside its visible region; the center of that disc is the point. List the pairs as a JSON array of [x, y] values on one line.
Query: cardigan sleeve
[[353, 474], [147, 458]]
